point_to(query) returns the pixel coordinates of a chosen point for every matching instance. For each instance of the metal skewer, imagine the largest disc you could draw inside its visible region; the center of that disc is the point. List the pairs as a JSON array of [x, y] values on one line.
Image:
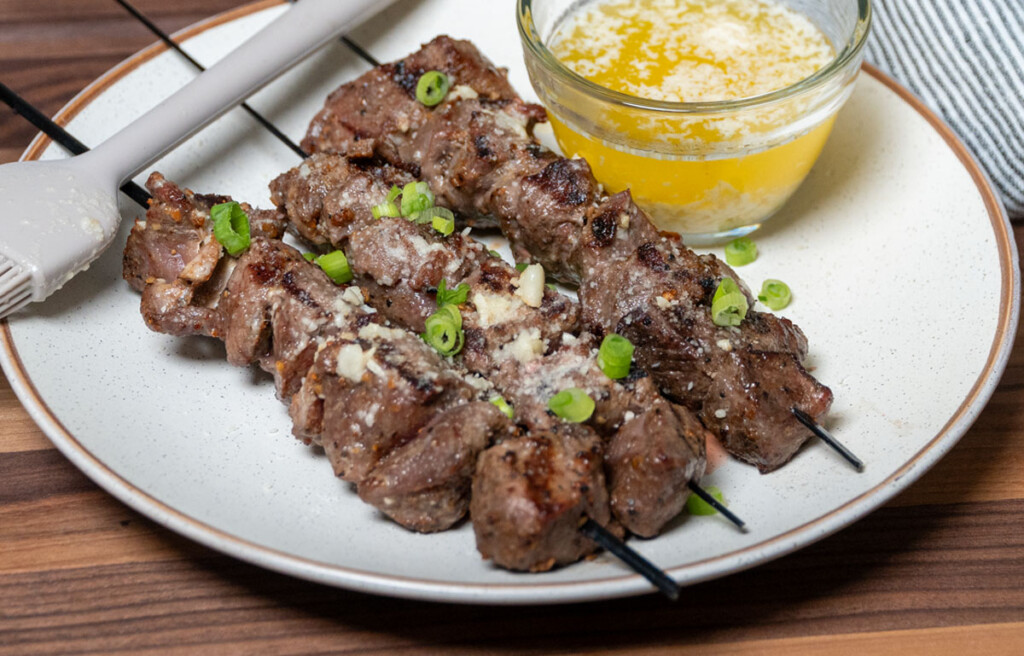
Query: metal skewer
[[828, 439], [589, 529]]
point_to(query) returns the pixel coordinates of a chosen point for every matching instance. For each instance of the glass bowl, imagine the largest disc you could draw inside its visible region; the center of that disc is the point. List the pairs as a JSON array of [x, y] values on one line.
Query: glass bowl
[[710, 171]]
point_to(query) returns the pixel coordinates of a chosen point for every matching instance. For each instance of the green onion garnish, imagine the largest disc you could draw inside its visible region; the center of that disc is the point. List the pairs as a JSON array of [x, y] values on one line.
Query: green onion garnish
[[740, 251], [394, 193], [697, 506], [230, 227], [521, 266], [335, 265], [387, 208], [444, 330], [729, 305], [441, 219], [494, 254], [572, 404], [309, 256], [615, 356], [455, 296], [775, 294], [432, 88], [416, 197], [503, 405]]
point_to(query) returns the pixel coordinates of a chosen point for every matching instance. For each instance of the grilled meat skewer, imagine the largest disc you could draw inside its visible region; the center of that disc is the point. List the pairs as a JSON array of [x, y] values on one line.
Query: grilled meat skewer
[[529, 353], [393, 416], [477, 152]]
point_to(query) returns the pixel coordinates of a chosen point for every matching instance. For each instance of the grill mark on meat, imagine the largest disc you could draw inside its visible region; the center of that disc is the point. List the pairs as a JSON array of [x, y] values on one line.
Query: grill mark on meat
[[561, 180], [651, 257], [403, 77], [603, 227], [482, 149], [288, 282]]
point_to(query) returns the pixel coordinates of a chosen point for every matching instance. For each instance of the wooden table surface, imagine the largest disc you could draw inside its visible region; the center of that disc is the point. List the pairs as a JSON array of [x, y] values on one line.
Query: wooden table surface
[[938, 570]]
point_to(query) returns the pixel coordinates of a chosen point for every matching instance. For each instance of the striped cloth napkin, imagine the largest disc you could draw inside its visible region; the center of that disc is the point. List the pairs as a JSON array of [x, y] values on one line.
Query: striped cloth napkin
[[965, 59]]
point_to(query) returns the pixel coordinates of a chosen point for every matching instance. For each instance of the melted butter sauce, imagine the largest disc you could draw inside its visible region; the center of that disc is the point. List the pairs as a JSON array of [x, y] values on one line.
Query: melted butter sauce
[[695, 51]]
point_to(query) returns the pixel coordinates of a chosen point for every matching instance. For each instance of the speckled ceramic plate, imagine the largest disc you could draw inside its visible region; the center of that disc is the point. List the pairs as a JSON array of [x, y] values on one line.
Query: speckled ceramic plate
[[905, 280]]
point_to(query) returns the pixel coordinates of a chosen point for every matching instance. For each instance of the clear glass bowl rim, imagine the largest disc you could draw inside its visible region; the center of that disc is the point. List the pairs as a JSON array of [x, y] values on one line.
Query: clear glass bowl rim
[[849, 53]]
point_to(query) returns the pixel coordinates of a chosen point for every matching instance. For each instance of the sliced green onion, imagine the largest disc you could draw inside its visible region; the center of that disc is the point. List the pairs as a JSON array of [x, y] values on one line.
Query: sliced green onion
[[729, 305], [335, 265], [740, 251], [385, 209], [494, 254], [697, 506], [432, 88], [443, 225], [503, 405], [455, 296], [309, 256], [394, 193], [416, 197], [444, 330], [572, 404], [231, 227], [775, 294], [615, 356], [521, 266], [441, 219]]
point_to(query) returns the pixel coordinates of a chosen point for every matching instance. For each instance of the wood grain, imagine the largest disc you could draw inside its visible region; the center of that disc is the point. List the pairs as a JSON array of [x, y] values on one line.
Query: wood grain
[[940, 570]]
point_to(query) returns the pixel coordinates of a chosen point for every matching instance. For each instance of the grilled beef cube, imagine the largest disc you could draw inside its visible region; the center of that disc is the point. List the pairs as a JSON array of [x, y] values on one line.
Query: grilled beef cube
[[326, 198], [375, 113], [480, 158], [530, 496], [649, 463], [379, 388], [424, 484]]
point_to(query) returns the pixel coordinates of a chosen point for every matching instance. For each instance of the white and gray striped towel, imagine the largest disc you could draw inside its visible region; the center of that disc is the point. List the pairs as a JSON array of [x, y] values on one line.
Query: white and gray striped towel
[[965, 59]]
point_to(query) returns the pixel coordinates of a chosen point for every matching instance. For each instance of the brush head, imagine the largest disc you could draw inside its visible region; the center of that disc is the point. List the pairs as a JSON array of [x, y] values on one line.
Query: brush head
[[15, 287], [55, 219]]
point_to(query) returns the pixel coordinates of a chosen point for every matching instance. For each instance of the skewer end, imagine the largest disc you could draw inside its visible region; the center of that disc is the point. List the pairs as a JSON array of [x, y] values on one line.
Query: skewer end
[[718, 505], [828, 438], [618, 548]]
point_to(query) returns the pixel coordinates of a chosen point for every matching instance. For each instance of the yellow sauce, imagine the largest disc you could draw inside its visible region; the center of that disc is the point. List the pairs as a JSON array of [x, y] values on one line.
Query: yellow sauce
[[710, 174]]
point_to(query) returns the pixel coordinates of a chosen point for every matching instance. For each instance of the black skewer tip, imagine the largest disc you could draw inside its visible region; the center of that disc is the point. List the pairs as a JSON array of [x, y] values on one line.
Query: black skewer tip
[[717, 505], [828, 439], [645, 568]]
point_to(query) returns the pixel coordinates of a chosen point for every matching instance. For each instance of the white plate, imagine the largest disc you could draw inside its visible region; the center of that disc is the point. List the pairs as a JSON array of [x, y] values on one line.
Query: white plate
[[905, 280]]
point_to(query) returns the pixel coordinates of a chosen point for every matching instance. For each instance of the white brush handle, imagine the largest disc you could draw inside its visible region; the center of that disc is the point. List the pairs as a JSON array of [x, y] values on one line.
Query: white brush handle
[[278, 46]]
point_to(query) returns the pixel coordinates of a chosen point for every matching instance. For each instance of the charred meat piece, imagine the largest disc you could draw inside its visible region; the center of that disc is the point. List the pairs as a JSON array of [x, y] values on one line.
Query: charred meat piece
[[648, 466], [362, 389], [530, 496], [529, 353], [375, 113], [329, 199], [424, 484], [480, 157]]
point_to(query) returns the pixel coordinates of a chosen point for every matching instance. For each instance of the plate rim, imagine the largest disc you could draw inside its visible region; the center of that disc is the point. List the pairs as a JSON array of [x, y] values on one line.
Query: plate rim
[[540, 592]]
